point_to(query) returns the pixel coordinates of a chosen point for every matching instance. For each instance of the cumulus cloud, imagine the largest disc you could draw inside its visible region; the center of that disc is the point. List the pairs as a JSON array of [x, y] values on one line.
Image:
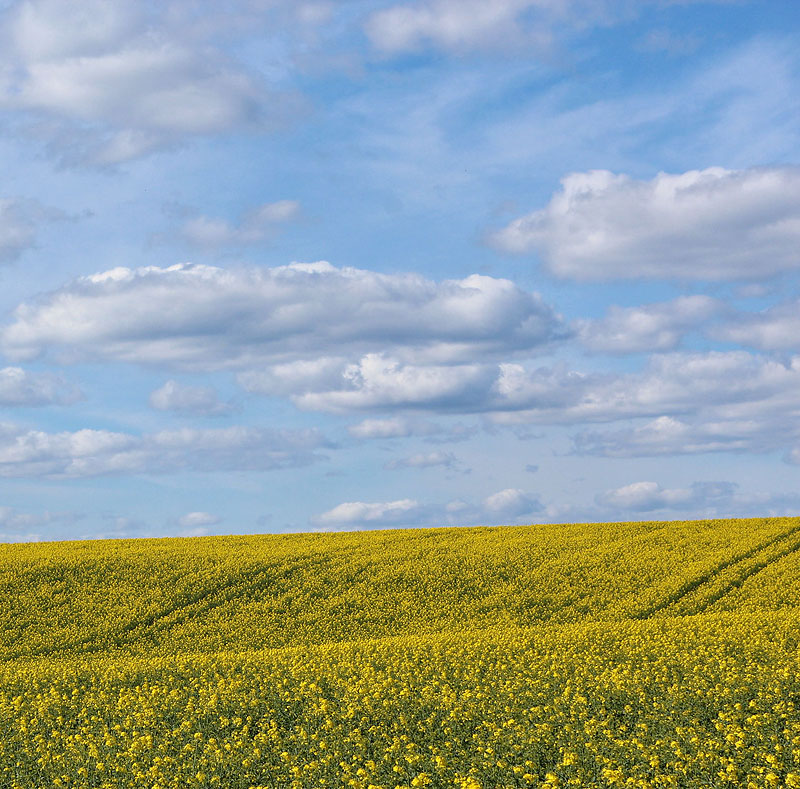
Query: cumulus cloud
[[113, 81], [404, 427], [20, 387], [18, 221], [204, 318], [712, 224], [198, 521], [19, 526], [379, 382], [393, 427], [424, 460], [776, 328], [652, 327], [732, 385], [511, 503], [699, 499], [253, 228], [648, 496], [370, 515], [182, 399], [667, 435], [90, 453], [508, 506]]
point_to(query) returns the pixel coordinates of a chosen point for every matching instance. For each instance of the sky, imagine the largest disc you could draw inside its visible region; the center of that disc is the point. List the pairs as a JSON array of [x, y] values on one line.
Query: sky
[[272, 266]]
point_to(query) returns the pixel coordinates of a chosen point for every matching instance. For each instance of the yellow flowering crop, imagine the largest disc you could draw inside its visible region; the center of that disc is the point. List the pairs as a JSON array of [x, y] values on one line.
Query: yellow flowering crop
[[631, 655]]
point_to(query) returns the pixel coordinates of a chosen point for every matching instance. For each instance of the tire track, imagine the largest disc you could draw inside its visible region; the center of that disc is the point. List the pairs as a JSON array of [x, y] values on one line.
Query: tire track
[[737, 582], [690, 586], [244, 582]]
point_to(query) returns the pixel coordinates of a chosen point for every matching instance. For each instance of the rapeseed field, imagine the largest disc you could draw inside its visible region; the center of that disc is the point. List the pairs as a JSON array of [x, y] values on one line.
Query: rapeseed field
[[602, 655]]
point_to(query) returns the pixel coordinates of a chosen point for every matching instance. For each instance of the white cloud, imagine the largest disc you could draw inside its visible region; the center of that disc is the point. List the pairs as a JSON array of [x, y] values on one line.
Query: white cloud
[[510, 506], [648, 496], [510, 503], [465, 25], [403, 427], [393, 427], [253, 228], [699, 500], [424, 460], [712, 224], [19, 526], [20, 387], [370, 515], [198, 520], [731, 385], [205, 318], [652, 327], [197, 400], [777, 328], [700, 434], [378, 381], [715, 386], [453, 24], [296, 377], [124, 78], [89, 453], [17, 230]]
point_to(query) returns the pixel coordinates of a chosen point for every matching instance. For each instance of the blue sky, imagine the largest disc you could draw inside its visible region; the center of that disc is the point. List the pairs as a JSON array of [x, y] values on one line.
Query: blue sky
[[322, 266]]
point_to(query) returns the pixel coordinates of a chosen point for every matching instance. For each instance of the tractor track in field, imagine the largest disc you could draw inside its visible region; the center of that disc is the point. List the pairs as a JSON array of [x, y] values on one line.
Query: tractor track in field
[[754, 570], [708, 577], [245, 582]]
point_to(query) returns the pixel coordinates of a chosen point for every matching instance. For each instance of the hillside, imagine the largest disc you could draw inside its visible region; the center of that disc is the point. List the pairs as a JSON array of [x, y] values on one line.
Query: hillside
[[239, 593], [639, 655]]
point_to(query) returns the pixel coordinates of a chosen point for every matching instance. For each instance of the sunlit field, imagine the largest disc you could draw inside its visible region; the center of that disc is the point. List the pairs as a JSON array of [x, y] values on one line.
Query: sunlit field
[[637, 655]]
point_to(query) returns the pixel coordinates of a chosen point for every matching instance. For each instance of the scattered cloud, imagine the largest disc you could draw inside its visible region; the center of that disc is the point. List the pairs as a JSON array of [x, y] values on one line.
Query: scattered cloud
[[196, 317], [511, 503], [727, 389], [381, 382], [371, 515], [107, 82], [732, 385], [19, 222], [776, 328], [424, 460], [701, 499], [651, 327], [712, 224], [189, 400], [667, 435], [461, 26], [392, 427], [197, 522], [91, 453], [254, 227], [19, 526], [405, 427], [508, 506], [648, 496], [20, 387], [456, 25]]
